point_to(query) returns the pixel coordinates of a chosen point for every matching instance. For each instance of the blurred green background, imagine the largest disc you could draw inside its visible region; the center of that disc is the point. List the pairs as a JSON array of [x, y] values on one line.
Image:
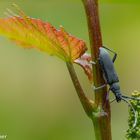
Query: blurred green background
[[37, 98]]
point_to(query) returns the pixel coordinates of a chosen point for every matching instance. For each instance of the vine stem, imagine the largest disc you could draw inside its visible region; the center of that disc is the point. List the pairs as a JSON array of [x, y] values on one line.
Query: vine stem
[[87, 104], [102, 118]]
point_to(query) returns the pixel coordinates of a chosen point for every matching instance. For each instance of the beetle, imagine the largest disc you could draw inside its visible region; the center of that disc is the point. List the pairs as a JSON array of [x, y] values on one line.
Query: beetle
[[109, 72], [110, 75]]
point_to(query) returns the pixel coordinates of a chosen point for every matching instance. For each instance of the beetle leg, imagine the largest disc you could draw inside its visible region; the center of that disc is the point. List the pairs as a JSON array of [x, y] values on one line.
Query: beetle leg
[[100, 87], [112, 101], [92, 62], [114, 58], [107, 95], [94, 87], [115, 54]]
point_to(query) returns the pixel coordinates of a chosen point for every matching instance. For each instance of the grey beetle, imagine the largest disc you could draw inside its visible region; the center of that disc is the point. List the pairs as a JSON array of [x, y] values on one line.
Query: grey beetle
[[109, 72], [111, 77]]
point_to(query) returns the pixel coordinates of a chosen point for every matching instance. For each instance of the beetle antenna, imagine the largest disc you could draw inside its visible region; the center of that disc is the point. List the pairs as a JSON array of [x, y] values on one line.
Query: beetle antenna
[[131, 98], [134, 111]]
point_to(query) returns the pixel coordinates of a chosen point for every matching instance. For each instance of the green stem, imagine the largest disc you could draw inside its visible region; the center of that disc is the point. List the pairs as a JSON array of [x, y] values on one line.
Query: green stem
[[101, 118], [86, 103]]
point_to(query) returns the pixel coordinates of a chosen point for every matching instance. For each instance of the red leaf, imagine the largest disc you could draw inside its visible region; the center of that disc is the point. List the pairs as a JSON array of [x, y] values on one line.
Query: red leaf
[[34, 33]]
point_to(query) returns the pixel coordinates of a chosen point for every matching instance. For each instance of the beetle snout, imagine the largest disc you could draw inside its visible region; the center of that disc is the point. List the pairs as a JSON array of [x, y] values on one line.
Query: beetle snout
[[118, 97]]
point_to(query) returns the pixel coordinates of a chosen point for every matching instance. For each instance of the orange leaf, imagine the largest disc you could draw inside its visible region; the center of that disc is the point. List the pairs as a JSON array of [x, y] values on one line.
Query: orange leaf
[[34, 33]]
